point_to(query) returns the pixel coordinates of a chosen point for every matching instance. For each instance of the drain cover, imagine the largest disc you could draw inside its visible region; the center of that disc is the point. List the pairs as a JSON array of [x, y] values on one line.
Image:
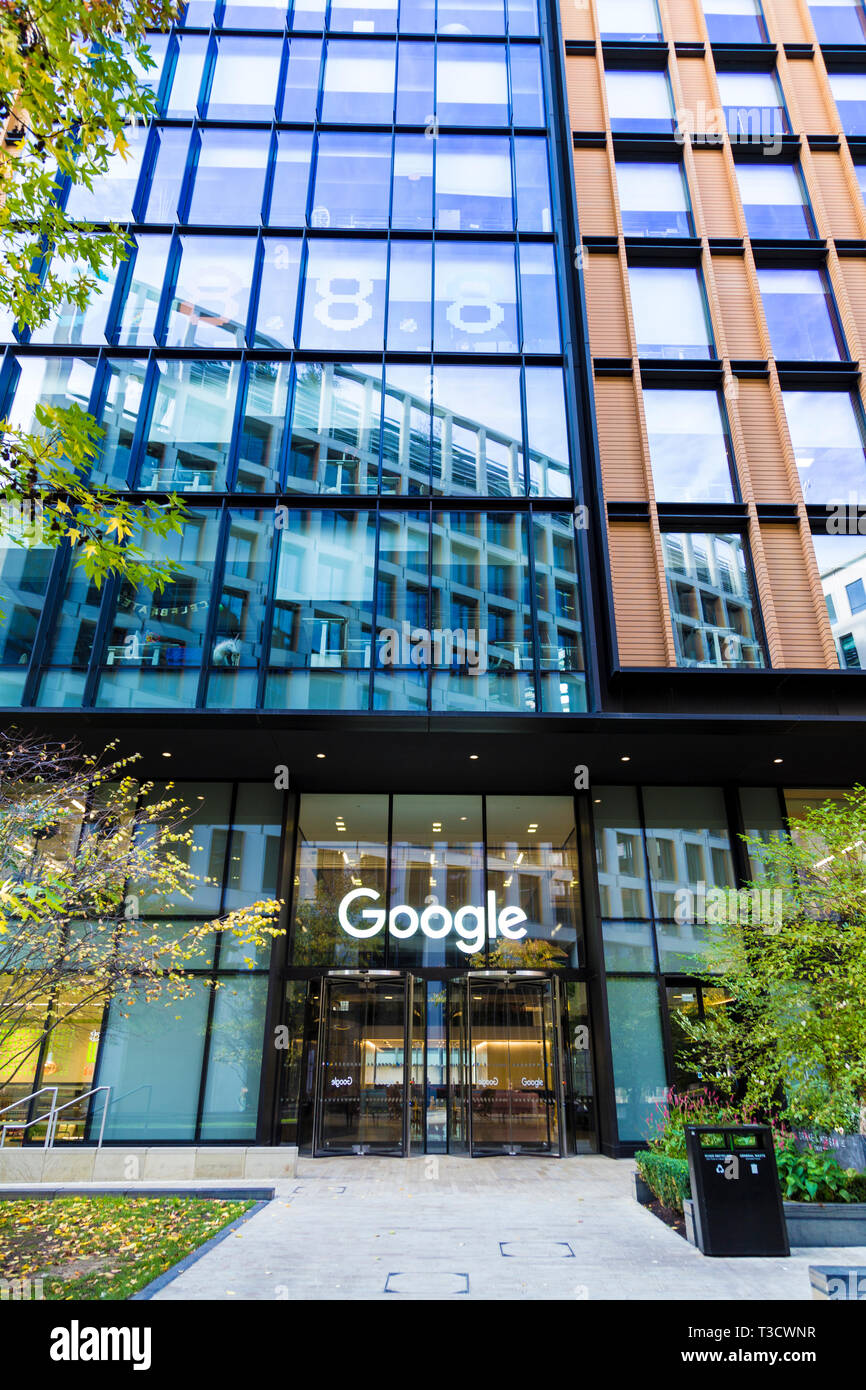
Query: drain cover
[[429, 1283]]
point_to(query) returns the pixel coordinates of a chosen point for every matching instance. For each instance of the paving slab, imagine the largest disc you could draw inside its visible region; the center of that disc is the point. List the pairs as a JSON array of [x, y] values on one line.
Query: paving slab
[[450, 1228]]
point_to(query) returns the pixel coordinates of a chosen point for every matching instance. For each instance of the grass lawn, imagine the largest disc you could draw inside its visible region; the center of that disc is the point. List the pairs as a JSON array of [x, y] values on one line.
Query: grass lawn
[[104, 1247]]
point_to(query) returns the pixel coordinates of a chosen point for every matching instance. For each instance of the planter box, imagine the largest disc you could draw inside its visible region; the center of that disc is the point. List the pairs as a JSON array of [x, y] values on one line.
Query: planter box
[[826, 1223], [819, 1224]]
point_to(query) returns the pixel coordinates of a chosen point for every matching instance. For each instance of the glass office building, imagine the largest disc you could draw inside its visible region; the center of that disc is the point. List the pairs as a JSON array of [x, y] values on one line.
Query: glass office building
[[508, 408]]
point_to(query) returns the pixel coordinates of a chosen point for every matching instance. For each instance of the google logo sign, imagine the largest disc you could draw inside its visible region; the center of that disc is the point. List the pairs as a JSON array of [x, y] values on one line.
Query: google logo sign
[[470, 923]]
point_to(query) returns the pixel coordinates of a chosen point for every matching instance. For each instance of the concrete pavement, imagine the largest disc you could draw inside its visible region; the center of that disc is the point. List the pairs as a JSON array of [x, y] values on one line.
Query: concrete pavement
[[453, 1228]]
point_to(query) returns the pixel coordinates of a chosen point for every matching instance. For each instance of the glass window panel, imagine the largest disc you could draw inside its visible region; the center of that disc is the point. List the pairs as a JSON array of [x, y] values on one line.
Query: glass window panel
[[278, 292], [410, 289], [638, 101], [263, 426], [670, 315], [58, 382], [149, 76], [838, 21], [557, 597], [70, 323], [471, 84], [762, 818], [143, 288], [473, 184], [231, 1097], [344, 295], [689, 852], [735, 21], [532, 179], [849, 94], [324, 592], [254, 857], [190, 428], [112, 195], [628, 19], [245, 76], [713, 607], [841, 564], [522, 16], [353, 180], [358, 92], [412, 197], [417, 16], [406, 430], [288, 206], [538, 298], [203, 808], [527, 98], [549, 467], [640, 1082], [433, 867], [476, 309], [402, 601], [71, 638], [156, 639], [197, 13], [415, 84], [301, 91], [25, 564], [480, 584], [800, 315], [774, 201], [619, 855], [308, 14], [477, 438], [828, 445], [254, 14], [342, 846], [185, 81], [239, 630], [478, 17], [752, 103], [364, 16], [653, 199], [151, 1058], [689, 446], [124, 390], [230, 178], [211, 292], [162, 190], [335, 429]]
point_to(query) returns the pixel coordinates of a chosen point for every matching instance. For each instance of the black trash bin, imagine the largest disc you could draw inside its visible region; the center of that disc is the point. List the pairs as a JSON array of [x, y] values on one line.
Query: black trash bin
[[735, 1190]]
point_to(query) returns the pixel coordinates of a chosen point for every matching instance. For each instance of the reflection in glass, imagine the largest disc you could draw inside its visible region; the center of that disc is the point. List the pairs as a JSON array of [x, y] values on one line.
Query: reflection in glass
[[532, 864], [244, 82], [842, 569], [211, 292], [335, 429], [471, 84], [288, 203], [111, 198], [670, 316], [774, 201], [653, 199], [437, 861], [639, 101], [798, 305], [638, 1055], [238, 647], [190, 426], [619, 854], [342, 846], [344, 295], [263, 427], [230, 178], [828, 446], [712, 604], [473, 184], [278, 292], [353, 180], [476, 298], [359, 93], [689, 446], [412, 194]]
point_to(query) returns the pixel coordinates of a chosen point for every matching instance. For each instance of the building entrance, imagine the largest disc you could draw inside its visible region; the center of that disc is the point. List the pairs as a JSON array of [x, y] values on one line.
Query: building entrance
[[506, 1063], [363, 1099]]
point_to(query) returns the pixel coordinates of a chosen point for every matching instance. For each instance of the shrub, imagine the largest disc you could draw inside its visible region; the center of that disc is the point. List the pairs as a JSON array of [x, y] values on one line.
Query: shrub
[[667, 1128], [667, 1178], [814, 1176]]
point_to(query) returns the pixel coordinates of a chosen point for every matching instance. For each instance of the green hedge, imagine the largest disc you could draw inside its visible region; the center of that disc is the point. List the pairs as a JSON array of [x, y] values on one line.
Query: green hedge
[[667, 1178]]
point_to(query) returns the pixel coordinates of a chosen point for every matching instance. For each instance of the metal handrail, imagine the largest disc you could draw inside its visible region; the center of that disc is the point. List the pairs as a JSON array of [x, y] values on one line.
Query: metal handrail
[[52, 1124], [26, 1124]]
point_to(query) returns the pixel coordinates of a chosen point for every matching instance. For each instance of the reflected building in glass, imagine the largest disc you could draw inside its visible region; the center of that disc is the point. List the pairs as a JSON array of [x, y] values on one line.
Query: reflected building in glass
[[517, 411]]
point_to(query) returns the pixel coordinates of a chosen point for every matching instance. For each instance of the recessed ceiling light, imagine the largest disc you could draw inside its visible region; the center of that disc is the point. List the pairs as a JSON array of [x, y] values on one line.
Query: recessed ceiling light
[[625, 758], [473, 757], [166, 755], [598, 801], [320, 755], [777, 760], [463, 817]]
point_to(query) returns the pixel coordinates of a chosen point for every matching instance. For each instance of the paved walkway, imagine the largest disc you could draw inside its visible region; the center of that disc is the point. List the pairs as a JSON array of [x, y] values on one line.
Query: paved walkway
[[510, 1228]]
